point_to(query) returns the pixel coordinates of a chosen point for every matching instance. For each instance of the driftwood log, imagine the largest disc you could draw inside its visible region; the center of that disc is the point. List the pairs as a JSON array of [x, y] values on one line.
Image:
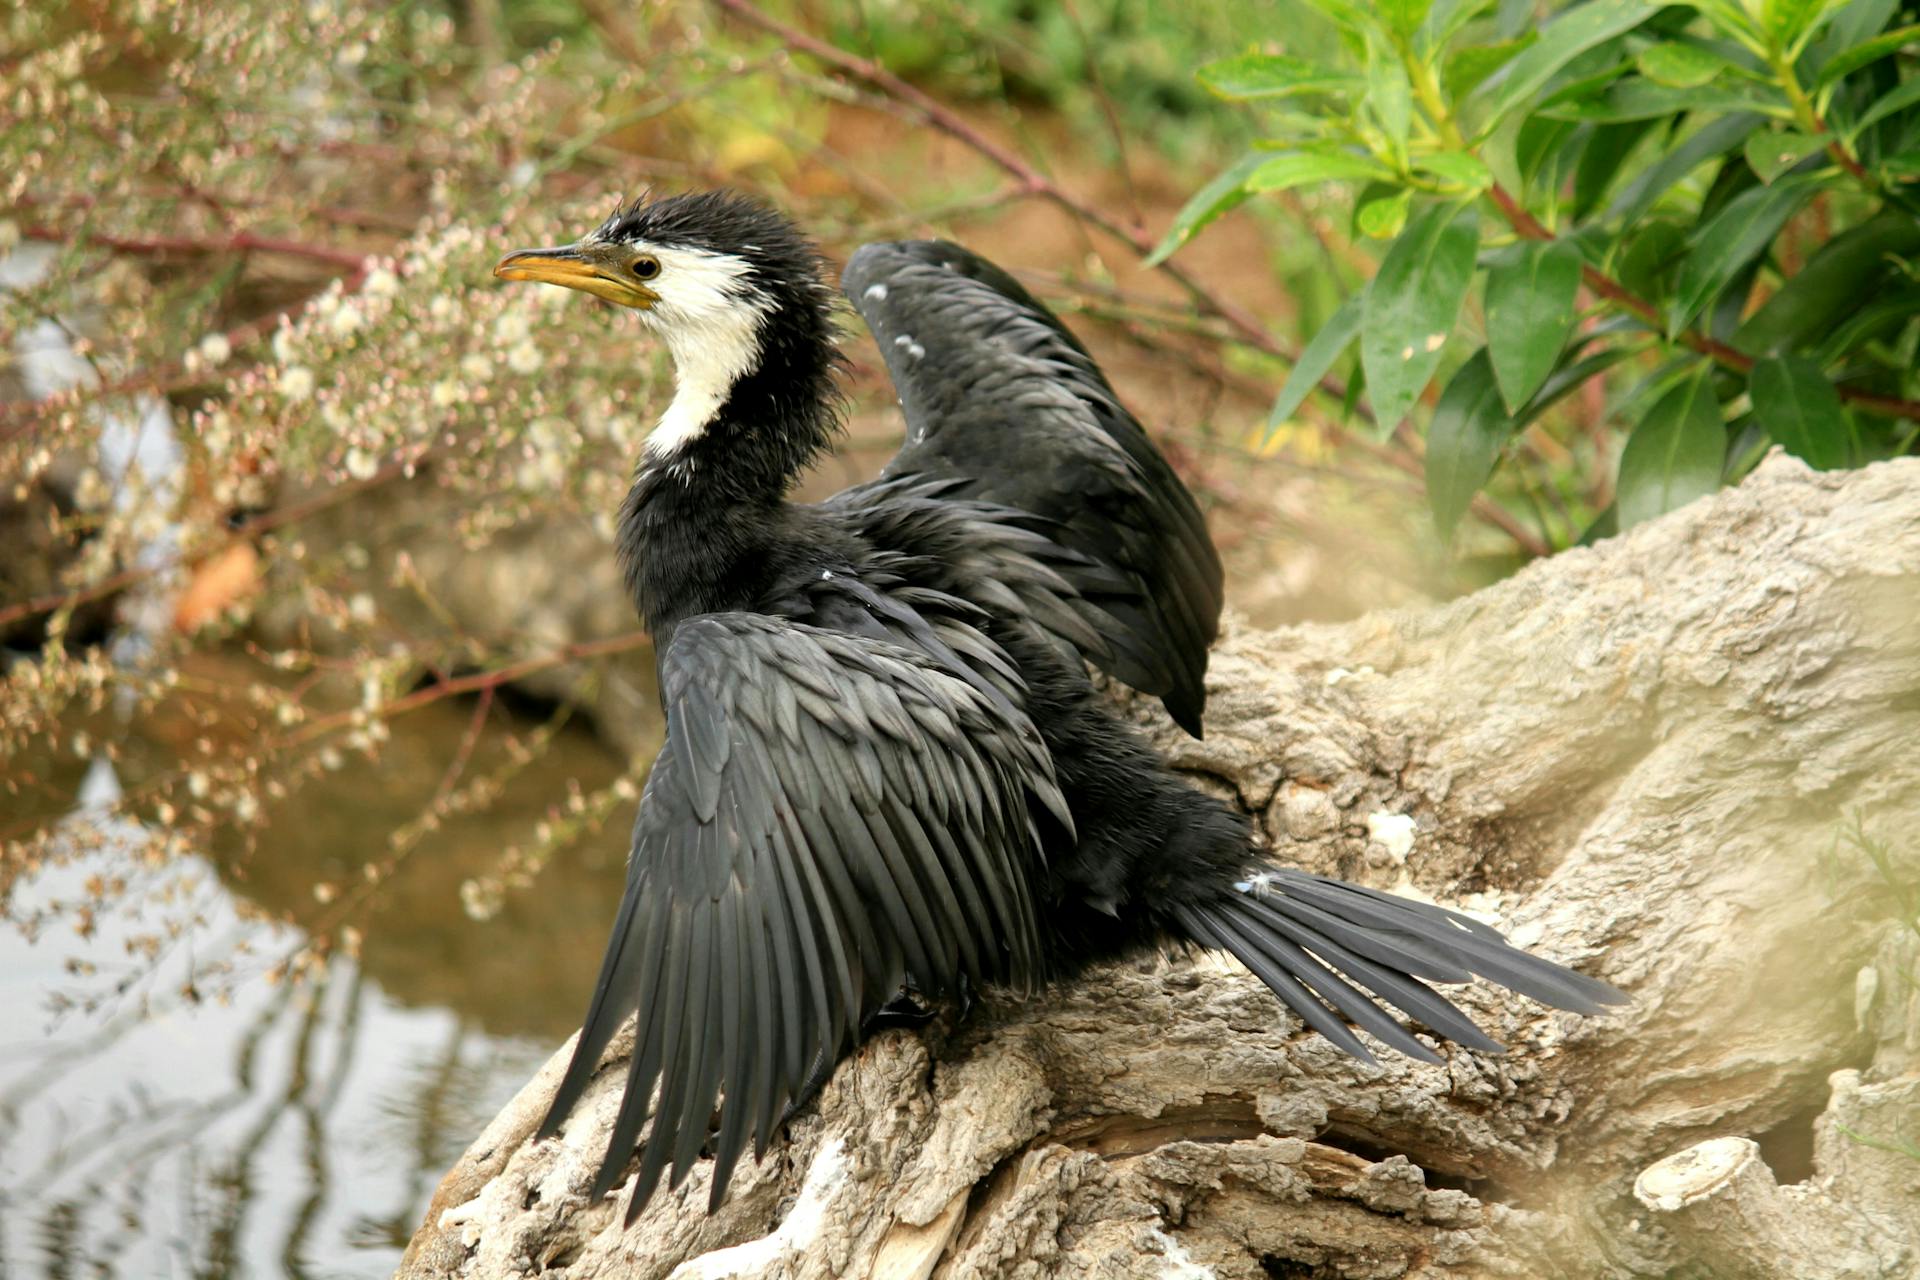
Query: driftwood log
[[1687, 760]]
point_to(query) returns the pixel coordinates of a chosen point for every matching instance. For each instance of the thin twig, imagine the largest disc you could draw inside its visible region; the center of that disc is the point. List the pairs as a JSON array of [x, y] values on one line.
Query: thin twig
[[1107, 110], [19, 416], [1029, 179], [479, 680]]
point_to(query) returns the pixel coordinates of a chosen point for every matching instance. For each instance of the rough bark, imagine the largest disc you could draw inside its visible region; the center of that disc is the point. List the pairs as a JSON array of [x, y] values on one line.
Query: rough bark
[[1643, 759]]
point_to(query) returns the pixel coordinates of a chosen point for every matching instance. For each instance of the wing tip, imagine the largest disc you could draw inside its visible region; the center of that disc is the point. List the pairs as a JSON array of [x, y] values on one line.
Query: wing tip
[[1188, 711]]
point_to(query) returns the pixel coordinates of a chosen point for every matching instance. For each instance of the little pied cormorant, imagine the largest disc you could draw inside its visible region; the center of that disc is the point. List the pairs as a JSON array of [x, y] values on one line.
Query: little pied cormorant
[[886, 767]]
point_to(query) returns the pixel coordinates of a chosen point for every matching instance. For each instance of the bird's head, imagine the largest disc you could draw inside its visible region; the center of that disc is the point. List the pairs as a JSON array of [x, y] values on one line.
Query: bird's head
[[731, 285]]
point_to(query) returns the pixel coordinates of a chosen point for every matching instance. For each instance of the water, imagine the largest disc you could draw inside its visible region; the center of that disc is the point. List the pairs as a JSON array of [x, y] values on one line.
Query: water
[[261, 1130], [178, 1114]]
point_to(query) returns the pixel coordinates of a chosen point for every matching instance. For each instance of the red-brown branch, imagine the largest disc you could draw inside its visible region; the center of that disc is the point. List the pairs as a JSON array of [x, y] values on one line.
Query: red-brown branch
[[1029, 180], [477, 682]]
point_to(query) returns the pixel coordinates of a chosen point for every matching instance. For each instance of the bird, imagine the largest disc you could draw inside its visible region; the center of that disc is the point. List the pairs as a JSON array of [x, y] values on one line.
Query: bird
[[890, 777]]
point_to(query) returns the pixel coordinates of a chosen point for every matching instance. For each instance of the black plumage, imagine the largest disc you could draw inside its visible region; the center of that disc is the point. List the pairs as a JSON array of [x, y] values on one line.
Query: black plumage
[[886, 766]]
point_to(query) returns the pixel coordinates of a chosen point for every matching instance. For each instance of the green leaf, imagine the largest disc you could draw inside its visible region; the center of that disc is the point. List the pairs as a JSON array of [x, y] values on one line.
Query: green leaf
[[1675, 454], [1537, 144], [1637, 98], [1713, 139], [1457, 168], [1447, 18], [1463, 443], [1732, 238], [1269, 75], [1567, 378], [1389, 96], [1288, 129], [1853, 25], [1318, 357], [1208, 203], [1801, 410], [1573, 97], [1412, 305], [1604, 525], [1652, 255], [1475, 62], [1788, 23], [1890, 311], [1903, 167], [1565, 38], [1772, 154], [1812, 304], [1382, 216], [1346, 14], [1729, 16], [1356, 387], [1851, 60], [1314, 164], [1899, 100], [1679, 65], [1404, 17], [1530, 315], [1608, 148]]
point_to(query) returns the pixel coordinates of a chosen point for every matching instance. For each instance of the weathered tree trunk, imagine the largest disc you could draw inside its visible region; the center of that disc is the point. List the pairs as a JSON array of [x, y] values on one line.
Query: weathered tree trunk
[[1668, 760]]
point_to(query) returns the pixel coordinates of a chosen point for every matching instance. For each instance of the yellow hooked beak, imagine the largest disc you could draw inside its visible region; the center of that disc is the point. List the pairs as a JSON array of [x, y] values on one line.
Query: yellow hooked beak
[[602, 270]]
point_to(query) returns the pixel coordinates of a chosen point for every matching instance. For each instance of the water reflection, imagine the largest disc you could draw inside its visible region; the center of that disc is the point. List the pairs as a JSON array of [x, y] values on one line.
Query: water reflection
[[236, 1128]]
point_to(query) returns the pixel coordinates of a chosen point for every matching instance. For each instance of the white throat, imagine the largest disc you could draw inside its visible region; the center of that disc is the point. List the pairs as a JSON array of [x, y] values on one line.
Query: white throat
[[711, 323]]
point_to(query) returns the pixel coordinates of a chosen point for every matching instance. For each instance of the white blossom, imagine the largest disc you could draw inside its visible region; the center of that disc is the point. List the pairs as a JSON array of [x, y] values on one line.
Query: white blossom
[[296, 382], [512, 326], [525, 358], [345, 320]]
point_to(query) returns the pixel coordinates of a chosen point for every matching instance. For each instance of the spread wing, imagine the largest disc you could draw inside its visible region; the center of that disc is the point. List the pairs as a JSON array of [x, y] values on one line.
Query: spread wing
[[830, 814], [997, 393]]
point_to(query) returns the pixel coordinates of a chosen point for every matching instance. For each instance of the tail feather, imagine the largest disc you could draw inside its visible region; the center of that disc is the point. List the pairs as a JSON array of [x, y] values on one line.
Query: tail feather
[[1334, 952], [1389, 946], [1213, 929], [1412, 997], [1331, 987], [1458, 937]]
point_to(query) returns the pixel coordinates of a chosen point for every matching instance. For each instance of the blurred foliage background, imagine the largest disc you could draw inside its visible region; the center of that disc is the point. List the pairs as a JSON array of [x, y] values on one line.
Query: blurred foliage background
[[323, 706]]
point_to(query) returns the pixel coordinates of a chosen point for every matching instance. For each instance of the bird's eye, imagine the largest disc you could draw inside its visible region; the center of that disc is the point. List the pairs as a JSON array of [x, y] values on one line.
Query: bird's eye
[[646, 268]]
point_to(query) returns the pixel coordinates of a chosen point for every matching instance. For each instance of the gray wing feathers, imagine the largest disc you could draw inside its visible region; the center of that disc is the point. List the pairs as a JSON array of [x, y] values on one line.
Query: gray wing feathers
[[831, 814], [998, 394]]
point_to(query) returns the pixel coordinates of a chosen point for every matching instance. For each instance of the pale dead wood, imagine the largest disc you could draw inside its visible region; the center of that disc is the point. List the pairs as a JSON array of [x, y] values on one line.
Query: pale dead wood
[[1638, 758]]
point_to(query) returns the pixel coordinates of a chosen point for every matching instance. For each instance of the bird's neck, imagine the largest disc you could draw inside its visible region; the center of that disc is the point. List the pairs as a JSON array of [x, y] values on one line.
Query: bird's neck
[[700, 531]]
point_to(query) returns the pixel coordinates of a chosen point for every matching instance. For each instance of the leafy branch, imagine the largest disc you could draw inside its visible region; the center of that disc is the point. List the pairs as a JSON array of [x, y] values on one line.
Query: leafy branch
[[1029, 181], [1657, 157]]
